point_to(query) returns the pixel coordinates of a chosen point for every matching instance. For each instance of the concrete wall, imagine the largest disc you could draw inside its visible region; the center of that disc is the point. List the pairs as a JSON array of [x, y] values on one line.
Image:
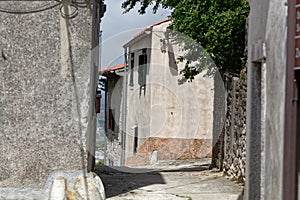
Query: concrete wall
[[265, 99], [47, 111]]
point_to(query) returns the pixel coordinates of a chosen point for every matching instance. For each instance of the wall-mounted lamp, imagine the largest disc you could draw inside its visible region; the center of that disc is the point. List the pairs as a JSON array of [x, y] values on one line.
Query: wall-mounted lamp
[[163, 45], [134, 127], [147, 32]]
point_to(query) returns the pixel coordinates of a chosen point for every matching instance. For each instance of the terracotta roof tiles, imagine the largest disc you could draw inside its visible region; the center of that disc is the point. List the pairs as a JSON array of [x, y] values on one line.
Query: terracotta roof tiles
[[113, 68]]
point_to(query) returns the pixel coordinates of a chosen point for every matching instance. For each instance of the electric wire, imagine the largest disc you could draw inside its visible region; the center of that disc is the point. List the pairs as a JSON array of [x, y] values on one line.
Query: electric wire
[[81, 4], [38, 9], [74, 5]]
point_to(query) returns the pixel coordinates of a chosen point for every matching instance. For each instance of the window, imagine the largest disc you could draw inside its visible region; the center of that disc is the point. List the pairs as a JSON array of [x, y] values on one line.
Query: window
[[111, 120], [131, 69], [142, 68], [135, 145]]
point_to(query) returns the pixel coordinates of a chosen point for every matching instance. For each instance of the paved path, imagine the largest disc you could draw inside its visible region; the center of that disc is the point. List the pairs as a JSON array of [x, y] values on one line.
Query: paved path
[[168, 180]]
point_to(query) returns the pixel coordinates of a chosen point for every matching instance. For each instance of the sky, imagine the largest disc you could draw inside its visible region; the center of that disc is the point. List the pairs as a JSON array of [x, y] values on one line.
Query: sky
[[118, 28]]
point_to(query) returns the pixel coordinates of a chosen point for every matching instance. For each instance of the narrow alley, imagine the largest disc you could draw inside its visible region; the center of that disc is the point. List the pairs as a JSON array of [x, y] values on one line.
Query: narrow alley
[[150, 100], [169, 180]]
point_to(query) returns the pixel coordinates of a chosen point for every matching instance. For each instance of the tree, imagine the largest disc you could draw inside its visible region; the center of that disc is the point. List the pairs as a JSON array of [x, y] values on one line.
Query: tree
[[218, 25]]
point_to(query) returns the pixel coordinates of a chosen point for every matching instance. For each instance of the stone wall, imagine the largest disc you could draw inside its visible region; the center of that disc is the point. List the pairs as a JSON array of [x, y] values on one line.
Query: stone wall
[[114, 119], [229, 151], [234, 145], [113, 151]]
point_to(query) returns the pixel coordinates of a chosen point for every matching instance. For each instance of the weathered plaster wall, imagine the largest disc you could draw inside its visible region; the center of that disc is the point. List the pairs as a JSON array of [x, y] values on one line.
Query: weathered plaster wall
[[219, 116], [165, 109], [138, 100], [177, 111], [265, 99], [255, 137], [274, 91], [45, 93]]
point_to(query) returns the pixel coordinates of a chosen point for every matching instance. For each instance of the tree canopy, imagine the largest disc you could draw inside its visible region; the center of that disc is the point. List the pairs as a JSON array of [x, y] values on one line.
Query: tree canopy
[[219, 26]]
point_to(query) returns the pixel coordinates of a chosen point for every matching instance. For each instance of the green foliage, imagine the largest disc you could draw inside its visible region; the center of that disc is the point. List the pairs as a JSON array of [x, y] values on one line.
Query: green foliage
[[127, 5], [218, 25], [100, 163]]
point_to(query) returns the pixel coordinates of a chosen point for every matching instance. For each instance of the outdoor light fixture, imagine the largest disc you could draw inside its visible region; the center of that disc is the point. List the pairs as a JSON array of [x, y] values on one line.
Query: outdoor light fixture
[[147, 32], [163, 45], [134, 127]]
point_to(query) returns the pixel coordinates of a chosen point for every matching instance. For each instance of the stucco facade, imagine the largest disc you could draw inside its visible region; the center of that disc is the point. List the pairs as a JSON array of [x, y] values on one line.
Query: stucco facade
[[175, 120], [48, 76], [267, 40]]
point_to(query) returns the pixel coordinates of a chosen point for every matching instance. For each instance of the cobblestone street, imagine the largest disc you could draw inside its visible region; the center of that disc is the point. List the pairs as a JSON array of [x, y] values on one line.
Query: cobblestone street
[[168, 180]]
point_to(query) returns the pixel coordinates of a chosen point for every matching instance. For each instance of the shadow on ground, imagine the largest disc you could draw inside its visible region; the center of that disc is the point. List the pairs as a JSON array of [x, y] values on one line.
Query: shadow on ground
[[120, 180]]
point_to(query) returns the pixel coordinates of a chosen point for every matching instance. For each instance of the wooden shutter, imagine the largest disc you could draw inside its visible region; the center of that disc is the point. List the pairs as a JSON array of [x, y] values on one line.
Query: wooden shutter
[[142, 69]]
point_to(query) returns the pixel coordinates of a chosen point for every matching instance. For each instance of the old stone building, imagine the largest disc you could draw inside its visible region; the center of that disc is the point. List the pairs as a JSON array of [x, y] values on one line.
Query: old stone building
[[114, 77]]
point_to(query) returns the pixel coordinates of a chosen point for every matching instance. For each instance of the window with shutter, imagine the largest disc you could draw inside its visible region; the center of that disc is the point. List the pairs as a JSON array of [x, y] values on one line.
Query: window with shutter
[[142, 71], [131, 69], [135, 145]]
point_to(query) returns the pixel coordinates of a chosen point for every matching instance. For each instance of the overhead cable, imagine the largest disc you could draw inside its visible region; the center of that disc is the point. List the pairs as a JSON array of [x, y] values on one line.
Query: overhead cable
[[38, 9]]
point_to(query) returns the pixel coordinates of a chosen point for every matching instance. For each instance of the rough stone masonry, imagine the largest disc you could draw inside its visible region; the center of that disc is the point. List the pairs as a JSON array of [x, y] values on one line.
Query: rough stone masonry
[[230, 149], [234, 146], [47, 89]]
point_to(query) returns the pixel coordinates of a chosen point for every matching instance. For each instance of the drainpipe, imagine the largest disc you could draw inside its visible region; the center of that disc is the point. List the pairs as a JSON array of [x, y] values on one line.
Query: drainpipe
[[100, 50], [123, 137]]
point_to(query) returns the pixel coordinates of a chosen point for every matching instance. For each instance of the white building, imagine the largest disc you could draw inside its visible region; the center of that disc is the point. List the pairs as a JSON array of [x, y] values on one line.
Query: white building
[[173, 120]]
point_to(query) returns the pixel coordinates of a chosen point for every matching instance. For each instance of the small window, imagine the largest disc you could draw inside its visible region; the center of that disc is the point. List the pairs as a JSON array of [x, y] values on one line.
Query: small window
[[131, 69], [142, 68], [135, 145], [111, 120]]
